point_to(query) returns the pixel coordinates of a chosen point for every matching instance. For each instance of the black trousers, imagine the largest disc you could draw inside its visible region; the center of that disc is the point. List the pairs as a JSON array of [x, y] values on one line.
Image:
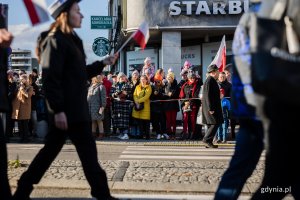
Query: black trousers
[[81, 136], [144, 126], [282, 174], [159, 122], [10, 123], [5, 192], [211, 132], [107, 121], [23, 130]]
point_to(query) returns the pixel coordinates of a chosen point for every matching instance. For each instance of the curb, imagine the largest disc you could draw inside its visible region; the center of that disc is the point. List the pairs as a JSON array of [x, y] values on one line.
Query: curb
[[139, 188]]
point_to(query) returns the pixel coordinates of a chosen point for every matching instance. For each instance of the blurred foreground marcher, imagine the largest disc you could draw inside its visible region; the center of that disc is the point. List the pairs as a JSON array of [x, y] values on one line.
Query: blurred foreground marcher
[[5, 41], [282, 174], [64, 80], [249, 140]]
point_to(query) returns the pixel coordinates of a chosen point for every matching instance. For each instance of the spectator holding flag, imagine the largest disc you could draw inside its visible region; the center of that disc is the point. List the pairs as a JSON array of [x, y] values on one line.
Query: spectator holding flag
[[65, 74]]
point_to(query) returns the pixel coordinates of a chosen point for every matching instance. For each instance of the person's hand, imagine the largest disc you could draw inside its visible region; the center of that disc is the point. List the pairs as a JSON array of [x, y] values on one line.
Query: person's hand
[[60, 120], [170, 94], [110, 60], [101, 110], [187, 103], [211, 112], [5, 38], [155, 92]]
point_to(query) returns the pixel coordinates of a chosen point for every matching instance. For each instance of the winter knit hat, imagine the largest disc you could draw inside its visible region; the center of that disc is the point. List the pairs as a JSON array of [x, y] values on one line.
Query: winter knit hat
[[187, 64], [121, 74], [183, 72], [158, 77], [170, 70], [135, 72], [171, 74], [148, 59]]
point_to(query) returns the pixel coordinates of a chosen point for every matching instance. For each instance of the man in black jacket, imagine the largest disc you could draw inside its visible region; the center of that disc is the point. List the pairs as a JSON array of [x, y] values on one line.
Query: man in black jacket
[[5, 41], [212, 111]]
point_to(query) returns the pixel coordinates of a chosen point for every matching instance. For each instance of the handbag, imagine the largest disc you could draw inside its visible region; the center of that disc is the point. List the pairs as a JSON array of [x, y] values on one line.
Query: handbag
[[275, 64], [139, 107]]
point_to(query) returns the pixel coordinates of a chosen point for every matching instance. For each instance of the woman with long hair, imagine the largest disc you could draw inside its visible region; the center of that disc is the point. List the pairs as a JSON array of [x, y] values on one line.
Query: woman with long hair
[[141, 96], [65, 74]]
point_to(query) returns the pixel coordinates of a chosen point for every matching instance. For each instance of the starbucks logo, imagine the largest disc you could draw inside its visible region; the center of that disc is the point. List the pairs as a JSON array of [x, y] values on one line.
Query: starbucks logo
[[101, 46]]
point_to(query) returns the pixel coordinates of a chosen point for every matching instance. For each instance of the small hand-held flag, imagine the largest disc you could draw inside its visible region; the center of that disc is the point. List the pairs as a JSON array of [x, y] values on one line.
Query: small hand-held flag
[[37, 10], [141, 36], [220, 59]]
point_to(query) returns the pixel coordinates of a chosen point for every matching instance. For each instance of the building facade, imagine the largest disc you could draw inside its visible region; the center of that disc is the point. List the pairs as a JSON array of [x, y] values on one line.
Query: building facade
[[179, 31], [21, 60]]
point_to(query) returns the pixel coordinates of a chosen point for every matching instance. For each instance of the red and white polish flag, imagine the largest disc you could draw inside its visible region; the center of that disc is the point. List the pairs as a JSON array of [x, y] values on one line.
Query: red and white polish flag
[[142, 35], [37, 10], [220, 59]]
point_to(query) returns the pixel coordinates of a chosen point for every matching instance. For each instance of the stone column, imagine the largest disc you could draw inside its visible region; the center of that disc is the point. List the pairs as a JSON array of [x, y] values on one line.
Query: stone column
[[171, 52]]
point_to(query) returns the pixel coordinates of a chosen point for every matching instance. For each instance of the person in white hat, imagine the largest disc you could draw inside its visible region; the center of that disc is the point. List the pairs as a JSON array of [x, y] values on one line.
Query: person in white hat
[[65, 74]]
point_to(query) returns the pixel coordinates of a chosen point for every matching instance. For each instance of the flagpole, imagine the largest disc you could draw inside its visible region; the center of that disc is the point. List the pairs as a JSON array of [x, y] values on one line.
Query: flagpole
[[126, 42]]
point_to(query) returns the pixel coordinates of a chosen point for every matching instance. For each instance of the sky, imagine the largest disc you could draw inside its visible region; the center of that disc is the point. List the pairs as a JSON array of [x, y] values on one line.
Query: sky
[[25, 34]]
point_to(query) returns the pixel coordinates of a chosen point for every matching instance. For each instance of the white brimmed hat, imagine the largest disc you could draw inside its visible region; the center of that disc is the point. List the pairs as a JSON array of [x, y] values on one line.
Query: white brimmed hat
[[59, 6]]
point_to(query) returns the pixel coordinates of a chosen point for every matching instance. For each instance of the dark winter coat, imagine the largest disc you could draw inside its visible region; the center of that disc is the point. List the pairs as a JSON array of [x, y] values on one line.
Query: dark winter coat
[[65, 75], [173, 88], [157, 106], [227, 88], [189, 90], [4, 103], [211, 102]]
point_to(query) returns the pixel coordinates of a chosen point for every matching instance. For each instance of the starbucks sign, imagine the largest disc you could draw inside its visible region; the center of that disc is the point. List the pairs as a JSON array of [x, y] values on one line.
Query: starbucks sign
[[101, 46]]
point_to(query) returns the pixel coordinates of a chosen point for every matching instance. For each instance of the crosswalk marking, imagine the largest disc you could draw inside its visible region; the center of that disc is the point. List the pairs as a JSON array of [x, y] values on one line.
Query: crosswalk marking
[[177, 153]]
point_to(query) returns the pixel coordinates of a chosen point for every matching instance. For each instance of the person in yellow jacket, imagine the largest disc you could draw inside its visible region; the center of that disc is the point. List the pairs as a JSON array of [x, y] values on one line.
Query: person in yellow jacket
[[141, 98]]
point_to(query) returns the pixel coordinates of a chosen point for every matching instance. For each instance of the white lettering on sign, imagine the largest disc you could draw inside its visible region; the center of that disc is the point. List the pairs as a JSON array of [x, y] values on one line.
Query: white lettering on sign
[[234, 7], [203, 7]]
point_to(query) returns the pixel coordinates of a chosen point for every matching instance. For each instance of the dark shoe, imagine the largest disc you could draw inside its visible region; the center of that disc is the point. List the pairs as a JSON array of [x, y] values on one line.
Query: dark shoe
[[112, 198], [22, 193], [108, 198], [25, 140], [210, 145], [184, 136]]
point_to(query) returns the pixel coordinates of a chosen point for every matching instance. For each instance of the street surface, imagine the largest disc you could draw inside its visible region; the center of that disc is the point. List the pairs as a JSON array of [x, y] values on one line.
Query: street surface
[[136, 170]]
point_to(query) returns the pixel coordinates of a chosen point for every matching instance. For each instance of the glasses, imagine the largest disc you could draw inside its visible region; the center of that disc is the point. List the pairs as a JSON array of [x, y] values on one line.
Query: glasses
[[157, 81]]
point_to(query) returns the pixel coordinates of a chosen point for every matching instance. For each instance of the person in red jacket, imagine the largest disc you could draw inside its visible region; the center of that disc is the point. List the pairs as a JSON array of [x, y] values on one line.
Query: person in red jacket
[[107, 110], [189, 91]]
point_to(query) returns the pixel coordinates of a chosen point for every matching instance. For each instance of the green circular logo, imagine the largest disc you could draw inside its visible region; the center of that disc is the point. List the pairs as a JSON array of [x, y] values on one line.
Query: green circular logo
[[101, 46]]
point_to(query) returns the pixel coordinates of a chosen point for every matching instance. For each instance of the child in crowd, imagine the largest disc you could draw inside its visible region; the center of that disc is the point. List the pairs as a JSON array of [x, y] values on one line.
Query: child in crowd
[[222, 131]]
